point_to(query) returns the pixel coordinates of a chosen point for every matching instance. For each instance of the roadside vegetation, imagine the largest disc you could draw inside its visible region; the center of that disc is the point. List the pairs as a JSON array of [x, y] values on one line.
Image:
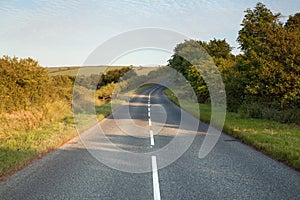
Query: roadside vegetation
[[262, 83], [278, 140], [35, 111]]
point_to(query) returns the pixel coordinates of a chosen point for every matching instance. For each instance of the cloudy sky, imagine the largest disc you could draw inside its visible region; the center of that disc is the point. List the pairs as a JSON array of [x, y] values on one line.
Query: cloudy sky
[[59, 32]]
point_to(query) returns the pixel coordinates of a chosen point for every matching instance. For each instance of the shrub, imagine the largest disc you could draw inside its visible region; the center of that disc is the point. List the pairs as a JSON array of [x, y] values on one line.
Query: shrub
[[267, 111], [30, 97], [105, 91], [23, 84]]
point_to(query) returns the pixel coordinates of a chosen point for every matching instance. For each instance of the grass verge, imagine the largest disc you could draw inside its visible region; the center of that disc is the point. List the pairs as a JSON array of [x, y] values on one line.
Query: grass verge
[[18, 148], [280, 141]]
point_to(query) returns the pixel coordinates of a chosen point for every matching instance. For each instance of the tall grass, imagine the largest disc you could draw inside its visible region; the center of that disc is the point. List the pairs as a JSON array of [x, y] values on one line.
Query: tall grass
[[34, 117], [19, 145]]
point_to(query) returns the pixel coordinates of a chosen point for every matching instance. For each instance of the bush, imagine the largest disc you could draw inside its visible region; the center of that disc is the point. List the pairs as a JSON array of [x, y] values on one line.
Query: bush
[[105, 91], [30, 97], [23, 84], [63, 86], [264, 111], [113, 76]]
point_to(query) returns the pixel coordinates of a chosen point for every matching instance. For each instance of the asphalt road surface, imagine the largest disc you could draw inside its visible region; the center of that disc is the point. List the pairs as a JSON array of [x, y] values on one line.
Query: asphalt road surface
[[150, 123]]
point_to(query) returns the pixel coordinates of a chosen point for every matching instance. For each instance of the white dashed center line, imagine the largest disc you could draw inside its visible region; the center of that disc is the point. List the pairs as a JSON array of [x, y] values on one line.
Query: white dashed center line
[[151, 138], [156, 190]]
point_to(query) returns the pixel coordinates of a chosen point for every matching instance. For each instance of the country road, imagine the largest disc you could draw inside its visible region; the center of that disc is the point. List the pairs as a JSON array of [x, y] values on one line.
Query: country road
[[149, 123]]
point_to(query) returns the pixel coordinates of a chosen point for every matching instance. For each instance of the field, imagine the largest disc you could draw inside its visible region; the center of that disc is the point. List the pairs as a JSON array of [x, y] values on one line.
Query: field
[[63, 70], [72, 71]]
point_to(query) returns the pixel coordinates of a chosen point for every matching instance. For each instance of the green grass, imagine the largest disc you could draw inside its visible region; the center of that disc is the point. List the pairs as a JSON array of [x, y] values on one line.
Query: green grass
[[19, 147], [280, 141]]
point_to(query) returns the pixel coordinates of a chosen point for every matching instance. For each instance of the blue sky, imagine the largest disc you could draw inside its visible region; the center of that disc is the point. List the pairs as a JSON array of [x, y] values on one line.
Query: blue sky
[[59, 32]]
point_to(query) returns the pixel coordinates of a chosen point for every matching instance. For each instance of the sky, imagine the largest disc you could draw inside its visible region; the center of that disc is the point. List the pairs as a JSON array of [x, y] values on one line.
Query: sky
[[64, 33]]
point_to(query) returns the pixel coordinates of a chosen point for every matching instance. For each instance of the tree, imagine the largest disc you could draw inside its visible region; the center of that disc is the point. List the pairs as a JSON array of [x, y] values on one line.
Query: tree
[[256, 26], [219, 48], [113, 76], [193, 60], [292, 28], [293, 23], [198, 84], [271, 59]]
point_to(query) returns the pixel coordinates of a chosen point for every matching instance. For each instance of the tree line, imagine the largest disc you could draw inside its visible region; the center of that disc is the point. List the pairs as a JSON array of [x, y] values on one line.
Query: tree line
[[264, 80], [96, 81]]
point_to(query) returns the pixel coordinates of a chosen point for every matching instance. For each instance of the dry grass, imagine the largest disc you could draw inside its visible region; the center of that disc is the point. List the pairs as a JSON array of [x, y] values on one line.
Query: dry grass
[[29, 119]]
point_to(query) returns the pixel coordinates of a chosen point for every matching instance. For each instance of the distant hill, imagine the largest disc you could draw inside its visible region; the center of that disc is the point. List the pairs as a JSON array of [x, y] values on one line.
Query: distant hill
[[72, 71]]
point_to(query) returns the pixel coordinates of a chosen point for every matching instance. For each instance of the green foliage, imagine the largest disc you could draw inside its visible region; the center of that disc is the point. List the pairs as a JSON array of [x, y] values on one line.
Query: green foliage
[[23, 84], [293, 22], [271, 56], [113, 76], [256, 27], [63, 86], [192, 59], [30, 97], [218, 48], [264, 82], [198, 84], [106, 91], [99, 86], [35, 115], [266, 74], [270, 111]]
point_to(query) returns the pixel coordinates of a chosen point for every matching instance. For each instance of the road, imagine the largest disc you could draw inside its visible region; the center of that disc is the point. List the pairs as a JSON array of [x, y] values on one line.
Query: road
[[231, 171]]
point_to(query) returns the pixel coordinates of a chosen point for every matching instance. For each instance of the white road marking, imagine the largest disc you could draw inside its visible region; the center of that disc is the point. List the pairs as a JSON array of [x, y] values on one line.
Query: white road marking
[[156, 190], [150, 122], [151, 138]]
